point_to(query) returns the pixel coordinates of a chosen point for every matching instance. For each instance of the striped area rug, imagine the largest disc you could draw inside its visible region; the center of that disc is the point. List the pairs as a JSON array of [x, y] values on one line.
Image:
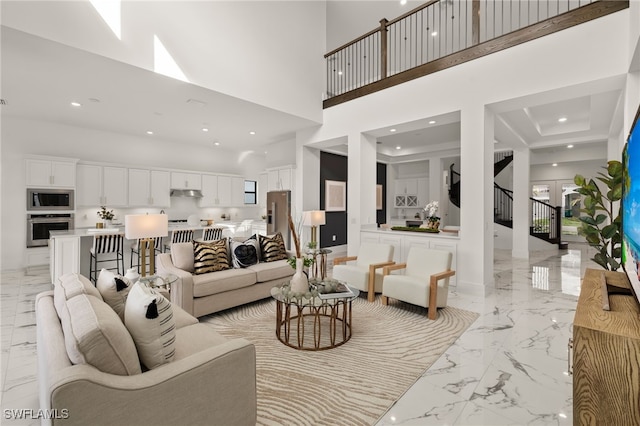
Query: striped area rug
[[353, 384]]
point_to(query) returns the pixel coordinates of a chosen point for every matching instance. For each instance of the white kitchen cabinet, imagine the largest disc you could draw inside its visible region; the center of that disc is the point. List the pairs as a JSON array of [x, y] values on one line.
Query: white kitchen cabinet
[[280, 179], [101, 186], [406, 193], [224, 190], [65, 256], [209, 191], [181, 180], [149, 188], [43, 173], [396, 242], [237, 191], [423, 192]]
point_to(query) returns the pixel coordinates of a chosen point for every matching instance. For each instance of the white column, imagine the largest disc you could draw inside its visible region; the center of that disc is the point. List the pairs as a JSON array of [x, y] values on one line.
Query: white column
[[521, 194], [361, 187], [475, 252]]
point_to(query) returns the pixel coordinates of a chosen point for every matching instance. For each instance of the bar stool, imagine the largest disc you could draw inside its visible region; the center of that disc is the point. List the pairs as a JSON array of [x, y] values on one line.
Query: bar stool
[[212, 234], [106, 244], [135, 251], [180, 236]]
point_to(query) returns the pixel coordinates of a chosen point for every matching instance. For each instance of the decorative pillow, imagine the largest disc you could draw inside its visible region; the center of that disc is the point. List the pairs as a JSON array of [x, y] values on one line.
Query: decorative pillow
[[245, 253], [94, 335], [70, 285], [149, 318], [210, 256], [182, 256], [272, 248], [114, 289]]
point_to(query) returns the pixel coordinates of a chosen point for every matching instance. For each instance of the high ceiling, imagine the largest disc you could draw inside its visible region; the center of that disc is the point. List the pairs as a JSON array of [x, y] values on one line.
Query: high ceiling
[[40, 79]]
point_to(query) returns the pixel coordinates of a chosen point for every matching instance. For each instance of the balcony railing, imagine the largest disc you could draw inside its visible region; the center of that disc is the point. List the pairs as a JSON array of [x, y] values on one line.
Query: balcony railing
[[443, 33]]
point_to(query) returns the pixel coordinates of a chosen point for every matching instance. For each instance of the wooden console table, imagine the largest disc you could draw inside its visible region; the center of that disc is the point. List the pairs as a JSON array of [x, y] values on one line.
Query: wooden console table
[[606, 354]]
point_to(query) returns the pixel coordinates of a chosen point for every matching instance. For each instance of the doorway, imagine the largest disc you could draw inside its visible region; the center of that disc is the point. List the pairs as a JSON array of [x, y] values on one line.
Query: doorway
[[561, 193]]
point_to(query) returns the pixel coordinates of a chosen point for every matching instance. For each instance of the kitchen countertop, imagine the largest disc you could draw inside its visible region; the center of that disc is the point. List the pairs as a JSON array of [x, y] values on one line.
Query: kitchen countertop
[[439, 235]]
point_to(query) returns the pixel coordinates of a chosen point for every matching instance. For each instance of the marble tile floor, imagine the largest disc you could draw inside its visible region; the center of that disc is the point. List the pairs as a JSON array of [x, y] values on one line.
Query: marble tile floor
[[508, 368]]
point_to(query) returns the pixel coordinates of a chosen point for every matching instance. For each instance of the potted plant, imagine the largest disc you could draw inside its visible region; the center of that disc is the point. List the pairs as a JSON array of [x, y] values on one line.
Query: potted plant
[[602, 224], [106, 216]]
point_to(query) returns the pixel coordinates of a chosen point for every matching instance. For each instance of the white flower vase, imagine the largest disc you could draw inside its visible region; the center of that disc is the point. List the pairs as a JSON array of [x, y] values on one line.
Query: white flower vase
[[299, 281]]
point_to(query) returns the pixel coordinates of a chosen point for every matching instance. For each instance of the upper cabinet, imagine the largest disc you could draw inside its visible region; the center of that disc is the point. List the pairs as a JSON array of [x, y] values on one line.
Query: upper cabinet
[[101, 186], [410, 192], [44, 173], [180, 180], [223, 191], [280, 179], [263, 179], [149, 188]]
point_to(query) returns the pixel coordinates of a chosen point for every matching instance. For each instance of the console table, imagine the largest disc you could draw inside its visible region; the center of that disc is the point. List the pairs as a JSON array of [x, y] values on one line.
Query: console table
[[606, 354]]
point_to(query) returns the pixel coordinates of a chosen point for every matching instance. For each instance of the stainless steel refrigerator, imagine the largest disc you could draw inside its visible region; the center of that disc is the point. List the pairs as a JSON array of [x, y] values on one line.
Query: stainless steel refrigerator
[[278, 211]]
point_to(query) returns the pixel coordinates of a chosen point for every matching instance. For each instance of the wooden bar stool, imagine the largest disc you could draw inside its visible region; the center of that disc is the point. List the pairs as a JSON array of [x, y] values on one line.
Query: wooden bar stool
[[106, 248]]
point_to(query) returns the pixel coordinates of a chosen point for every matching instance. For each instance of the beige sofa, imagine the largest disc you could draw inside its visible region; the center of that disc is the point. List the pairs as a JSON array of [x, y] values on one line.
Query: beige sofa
[[211, 380], [215, 291]]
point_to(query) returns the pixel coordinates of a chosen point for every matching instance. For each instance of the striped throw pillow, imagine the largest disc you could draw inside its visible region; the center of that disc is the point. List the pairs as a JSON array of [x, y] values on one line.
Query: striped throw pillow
[[272, 248], [210, 256]]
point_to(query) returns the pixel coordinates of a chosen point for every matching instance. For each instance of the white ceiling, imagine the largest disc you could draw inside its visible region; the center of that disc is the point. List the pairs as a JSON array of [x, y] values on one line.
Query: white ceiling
[[40, 78]]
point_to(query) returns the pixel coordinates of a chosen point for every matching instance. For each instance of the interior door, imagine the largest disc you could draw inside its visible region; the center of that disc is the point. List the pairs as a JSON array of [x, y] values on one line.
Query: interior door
[[561, 193]]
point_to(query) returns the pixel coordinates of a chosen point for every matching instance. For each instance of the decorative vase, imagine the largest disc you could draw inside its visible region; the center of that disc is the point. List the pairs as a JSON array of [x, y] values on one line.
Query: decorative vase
[[435, 224], [299, 281], [108, 223]]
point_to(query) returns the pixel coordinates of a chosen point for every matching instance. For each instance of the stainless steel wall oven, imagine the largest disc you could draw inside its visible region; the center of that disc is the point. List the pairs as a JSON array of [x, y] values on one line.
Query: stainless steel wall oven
[[39, 226]]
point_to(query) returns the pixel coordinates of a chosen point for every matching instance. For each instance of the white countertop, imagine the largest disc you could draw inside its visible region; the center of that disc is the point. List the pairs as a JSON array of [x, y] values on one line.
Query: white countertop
[[441, 234]]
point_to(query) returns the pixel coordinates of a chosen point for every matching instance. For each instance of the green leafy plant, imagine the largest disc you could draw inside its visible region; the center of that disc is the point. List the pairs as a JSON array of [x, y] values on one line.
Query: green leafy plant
[[307, 261], [600, 224], [105, 214]]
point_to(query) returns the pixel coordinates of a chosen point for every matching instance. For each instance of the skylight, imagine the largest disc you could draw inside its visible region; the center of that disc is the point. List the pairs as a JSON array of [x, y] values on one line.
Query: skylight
[[109, 11], [163, 62]]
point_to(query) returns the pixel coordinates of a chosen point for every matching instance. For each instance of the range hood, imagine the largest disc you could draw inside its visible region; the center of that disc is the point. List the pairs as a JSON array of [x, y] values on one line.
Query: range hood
[[192, 193]]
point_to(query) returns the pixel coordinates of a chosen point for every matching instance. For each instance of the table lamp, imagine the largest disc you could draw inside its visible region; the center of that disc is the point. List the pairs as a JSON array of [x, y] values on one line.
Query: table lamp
[[146, 227], [314, 218]]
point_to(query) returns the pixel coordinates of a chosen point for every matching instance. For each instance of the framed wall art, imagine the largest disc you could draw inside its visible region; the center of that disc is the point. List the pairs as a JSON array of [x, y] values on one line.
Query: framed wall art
[[335, 196]]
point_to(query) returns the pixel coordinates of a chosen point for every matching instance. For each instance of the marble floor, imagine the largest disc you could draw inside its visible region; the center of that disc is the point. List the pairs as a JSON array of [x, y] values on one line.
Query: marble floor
[[508, 368]]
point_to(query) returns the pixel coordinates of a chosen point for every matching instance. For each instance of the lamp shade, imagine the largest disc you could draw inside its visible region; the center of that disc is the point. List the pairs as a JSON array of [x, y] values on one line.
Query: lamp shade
[[314, 218], [138, 226]]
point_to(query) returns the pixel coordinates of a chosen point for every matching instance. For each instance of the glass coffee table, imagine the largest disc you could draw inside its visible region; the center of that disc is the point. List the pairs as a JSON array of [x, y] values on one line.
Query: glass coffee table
[[312, 323]]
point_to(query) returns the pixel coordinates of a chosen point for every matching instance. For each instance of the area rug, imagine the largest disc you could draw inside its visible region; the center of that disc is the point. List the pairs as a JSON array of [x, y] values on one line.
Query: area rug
[[353, 384]]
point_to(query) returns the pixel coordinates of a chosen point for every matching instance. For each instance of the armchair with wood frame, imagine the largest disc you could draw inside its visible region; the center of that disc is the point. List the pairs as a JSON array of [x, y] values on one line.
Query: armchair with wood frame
[[364, 271], [425, 281]]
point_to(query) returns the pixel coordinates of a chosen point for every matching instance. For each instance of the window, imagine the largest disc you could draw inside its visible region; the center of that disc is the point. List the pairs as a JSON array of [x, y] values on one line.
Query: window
[[250, 192]]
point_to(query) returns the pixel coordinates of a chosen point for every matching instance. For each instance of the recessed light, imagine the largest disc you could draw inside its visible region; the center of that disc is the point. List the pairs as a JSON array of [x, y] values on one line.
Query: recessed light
[[432, 122], [562, 119], [252, 132], [433, 34], [339, 72], [392, 130], [96, 100], [149, 132], [569, 146], [76, 104], [403, 2], [216, 143], [204, 129], [555, 164], [398, 147]]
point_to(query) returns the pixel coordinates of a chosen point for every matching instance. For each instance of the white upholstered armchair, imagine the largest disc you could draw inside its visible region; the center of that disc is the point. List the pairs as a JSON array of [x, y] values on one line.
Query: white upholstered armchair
[[363, 272], [425, 281]]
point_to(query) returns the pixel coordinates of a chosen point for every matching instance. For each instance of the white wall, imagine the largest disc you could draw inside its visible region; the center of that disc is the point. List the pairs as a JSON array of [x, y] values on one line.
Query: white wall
[[24, 137], [269, 53], [579, 55]]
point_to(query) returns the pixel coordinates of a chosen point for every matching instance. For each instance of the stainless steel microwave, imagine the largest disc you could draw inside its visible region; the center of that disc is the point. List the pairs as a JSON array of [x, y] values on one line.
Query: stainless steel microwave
[[50, 199]]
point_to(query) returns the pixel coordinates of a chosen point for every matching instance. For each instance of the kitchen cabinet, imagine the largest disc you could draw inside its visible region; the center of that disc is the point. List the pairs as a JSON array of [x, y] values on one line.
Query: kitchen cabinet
[[223, 191], [101, 186], [44, 173], [280, 179], [181, 180], [407, 192], [263, 179], [149, 188]]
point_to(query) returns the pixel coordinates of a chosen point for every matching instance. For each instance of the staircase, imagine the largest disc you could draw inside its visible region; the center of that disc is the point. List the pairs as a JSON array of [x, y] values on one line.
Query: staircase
[[545, 221]]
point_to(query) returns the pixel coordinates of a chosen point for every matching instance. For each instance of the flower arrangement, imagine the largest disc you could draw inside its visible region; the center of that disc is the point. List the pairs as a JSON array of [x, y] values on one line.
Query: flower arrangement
[[307, 262], [432, 209], [105, 214]]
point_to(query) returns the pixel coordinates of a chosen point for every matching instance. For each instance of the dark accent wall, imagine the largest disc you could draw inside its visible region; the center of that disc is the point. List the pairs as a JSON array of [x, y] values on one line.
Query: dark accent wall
[[332, 167], [335, 167]]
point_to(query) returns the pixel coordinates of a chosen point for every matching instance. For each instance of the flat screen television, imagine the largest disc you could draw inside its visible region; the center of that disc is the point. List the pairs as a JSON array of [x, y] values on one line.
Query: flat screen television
[[631, 207]]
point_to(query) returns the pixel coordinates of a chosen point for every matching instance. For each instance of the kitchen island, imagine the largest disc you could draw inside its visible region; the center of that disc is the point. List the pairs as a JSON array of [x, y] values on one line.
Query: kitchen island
[[69, 250], [402, 241]]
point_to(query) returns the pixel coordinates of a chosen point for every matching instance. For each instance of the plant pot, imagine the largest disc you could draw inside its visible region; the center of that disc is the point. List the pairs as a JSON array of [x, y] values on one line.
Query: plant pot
[[299, 281]]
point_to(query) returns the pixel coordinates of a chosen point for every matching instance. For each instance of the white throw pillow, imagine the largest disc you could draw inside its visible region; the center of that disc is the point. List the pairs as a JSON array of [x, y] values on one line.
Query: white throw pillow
[[114, 289], [70, 285], [148, 316]]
